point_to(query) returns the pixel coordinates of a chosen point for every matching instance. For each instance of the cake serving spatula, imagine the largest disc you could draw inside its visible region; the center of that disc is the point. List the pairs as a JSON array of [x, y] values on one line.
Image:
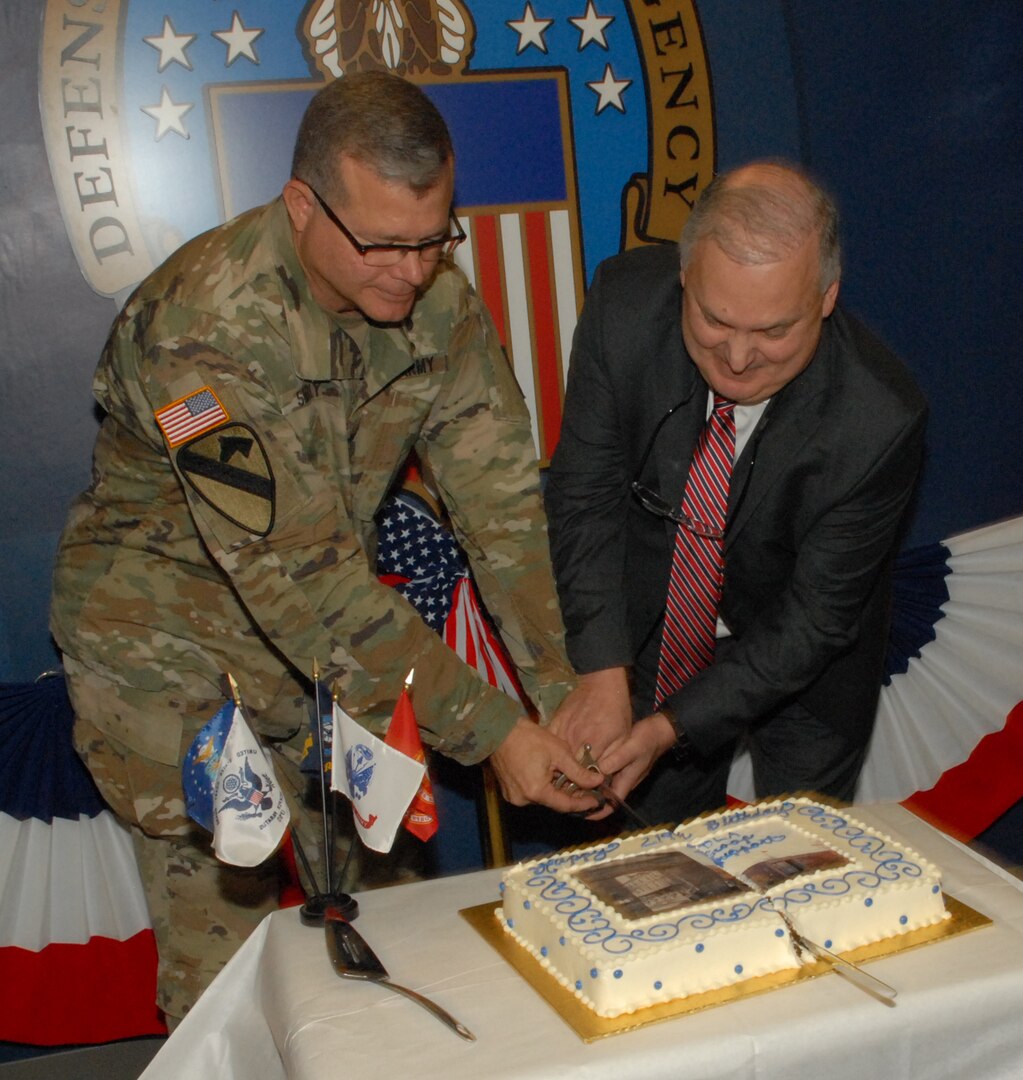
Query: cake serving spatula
[[353, 958]]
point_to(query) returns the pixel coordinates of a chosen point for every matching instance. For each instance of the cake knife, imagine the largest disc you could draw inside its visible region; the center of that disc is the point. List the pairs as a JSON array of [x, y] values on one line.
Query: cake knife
[[853, 973], [603, 789]]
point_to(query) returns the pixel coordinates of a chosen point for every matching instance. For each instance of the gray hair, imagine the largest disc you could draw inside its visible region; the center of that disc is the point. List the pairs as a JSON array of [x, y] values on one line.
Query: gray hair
[[758, 220], [379, 119]]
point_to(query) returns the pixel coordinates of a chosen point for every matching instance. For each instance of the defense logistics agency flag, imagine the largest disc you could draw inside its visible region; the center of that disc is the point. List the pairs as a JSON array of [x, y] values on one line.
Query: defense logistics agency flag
[[232, 790], [403, 734], [379, 780]]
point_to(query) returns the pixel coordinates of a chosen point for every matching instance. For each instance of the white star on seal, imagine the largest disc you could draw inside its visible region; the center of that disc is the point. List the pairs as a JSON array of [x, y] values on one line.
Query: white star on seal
[[171, 45], [609, 90], [530, 30], [238, 40], [168, 115], [591, 27]]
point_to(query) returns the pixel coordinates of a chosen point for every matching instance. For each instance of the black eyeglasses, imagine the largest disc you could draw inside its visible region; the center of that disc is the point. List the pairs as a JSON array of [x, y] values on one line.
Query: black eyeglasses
[[430, 251], [655, 504]]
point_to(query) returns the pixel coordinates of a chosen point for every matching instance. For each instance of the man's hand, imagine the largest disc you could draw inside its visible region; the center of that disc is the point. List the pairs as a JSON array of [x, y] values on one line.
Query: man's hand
[[527, 762], [629, 760], [597, 712]]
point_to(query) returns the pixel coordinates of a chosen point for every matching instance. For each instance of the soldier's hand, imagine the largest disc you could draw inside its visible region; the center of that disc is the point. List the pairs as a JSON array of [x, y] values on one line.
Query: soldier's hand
[[527, 763], [597, 712]]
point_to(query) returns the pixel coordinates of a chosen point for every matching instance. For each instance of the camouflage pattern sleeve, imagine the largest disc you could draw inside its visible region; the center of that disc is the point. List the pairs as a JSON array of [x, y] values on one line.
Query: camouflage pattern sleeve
[[478, 443]]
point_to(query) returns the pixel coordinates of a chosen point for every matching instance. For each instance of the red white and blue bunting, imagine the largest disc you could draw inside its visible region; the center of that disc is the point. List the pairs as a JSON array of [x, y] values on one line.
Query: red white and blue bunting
[[77, 955], [948, 738]]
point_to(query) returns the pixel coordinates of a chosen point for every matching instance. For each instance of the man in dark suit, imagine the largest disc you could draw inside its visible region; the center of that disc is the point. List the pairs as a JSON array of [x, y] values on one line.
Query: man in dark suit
[[828, 444]]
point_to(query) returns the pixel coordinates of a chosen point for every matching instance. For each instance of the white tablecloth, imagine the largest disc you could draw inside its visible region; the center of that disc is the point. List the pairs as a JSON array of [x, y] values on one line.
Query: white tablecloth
[[278, 1010]]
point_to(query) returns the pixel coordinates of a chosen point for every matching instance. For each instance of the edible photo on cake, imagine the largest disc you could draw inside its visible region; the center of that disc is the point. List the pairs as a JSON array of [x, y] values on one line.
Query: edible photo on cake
[[765, 875], [765, 853], [663, 881]]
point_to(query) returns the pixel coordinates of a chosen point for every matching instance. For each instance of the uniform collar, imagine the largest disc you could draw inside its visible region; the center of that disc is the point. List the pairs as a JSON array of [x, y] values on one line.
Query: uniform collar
[[387, 351]]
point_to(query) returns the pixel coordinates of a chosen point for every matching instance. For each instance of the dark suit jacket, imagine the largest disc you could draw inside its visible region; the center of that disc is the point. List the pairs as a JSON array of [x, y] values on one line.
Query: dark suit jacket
[[815, 506]]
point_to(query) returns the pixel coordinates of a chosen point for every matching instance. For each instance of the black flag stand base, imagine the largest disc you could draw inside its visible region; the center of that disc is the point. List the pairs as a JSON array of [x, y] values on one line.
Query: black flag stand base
[[316, 906], [314, 910]]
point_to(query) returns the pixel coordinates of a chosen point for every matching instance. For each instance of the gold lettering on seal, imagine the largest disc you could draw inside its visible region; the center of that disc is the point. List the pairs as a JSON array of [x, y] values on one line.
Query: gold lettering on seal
[[81, 107], [655, 204]]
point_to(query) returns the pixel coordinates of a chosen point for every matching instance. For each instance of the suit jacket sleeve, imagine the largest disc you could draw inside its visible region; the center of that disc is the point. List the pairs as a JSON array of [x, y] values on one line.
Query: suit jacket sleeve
[[627, 364], [587, 488]]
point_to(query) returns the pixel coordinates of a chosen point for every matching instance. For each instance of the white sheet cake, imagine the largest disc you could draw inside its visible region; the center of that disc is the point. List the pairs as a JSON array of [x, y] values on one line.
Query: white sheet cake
[[662, 915]]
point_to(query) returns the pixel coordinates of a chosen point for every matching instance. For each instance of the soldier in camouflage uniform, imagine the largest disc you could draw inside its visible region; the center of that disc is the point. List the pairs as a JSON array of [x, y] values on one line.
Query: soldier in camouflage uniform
[[262, 390]]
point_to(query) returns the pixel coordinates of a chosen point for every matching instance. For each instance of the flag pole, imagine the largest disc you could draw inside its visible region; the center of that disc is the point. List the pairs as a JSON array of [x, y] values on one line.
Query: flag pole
[[314, 911], [328, 845]]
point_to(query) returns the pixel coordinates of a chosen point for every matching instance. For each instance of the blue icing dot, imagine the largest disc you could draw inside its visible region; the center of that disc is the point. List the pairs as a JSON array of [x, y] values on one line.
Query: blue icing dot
[[699, 948], [779, 933], [658, 985], [827, 944], [868, 902], [527, 905], [935, 888], [903, 919], [593, 973], [561, 941], [543, 950], [500, 888], [511, 922], [578, 984], [618, 973], [738, 969]]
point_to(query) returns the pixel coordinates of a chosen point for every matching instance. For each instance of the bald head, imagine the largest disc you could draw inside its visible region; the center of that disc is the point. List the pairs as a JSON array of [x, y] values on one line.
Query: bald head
[[761, 213]]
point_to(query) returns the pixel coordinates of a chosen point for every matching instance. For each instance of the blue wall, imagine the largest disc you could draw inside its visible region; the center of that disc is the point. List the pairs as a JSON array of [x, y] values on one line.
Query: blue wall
[[912, 111]]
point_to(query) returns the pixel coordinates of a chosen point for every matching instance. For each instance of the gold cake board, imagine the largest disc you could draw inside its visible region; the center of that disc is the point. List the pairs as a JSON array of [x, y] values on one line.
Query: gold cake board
[[588, 1026]]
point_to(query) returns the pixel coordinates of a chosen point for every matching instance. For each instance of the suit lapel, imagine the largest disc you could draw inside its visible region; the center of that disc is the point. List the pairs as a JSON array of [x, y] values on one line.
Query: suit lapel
[[673, 450], [793, 417]]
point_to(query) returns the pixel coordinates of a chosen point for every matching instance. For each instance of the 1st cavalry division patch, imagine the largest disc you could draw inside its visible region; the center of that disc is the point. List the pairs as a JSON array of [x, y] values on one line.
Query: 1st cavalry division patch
[[229, 469]]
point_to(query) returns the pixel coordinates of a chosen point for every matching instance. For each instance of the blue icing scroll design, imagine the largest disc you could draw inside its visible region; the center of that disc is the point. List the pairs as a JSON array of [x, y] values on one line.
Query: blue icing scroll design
[[701, 920], [891, 863]]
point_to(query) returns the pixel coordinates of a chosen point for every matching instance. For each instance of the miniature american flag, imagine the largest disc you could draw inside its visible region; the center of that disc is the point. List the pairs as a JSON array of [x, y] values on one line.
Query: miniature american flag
[[190, 416], [420, 558]]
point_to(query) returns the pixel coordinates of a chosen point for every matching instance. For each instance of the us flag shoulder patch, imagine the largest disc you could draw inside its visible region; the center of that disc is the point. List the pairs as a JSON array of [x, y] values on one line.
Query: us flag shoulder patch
[[189, 416]]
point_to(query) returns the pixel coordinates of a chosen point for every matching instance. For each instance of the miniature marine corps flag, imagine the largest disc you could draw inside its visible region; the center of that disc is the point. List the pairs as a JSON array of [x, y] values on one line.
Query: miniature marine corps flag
[[379, 781], [403, 734], [232, 790]]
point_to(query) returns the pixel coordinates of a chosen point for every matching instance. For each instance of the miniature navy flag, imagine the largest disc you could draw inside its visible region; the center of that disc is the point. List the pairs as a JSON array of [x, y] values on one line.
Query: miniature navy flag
[[232, 790], [379, 781]]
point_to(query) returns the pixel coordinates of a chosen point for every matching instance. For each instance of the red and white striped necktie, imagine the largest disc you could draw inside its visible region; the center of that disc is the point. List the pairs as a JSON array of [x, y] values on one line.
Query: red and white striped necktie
[[697, 568]]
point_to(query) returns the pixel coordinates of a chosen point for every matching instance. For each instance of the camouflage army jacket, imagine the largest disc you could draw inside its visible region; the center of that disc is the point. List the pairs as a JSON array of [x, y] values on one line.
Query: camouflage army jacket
[[249, 440]]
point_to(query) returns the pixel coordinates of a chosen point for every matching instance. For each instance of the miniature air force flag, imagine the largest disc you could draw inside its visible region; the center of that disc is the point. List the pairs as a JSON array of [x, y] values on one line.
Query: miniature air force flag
[[231, 790], [379, 780]]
